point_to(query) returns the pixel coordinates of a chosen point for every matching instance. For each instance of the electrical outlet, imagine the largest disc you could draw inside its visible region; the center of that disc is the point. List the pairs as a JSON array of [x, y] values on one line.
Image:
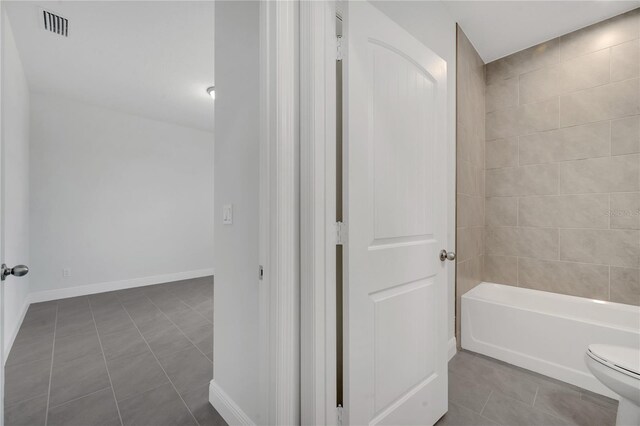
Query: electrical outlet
[[227, 214], [66, 273]]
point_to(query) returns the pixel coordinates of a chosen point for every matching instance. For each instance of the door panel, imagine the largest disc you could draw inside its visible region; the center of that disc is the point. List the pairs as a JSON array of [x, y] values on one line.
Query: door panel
[[395, 329]]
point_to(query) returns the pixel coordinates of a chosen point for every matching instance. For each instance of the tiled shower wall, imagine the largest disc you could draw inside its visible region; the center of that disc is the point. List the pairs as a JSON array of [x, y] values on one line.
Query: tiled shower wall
[[562, 207], [470, 168]]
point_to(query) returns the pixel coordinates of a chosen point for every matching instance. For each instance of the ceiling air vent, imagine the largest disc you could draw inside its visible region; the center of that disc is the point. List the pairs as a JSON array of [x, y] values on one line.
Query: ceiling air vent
[[55, 23]]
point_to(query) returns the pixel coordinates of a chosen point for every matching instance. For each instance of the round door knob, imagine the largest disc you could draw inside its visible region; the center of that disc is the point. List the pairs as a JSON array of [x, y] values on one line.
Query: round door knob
[[447, 255], [16, 271]]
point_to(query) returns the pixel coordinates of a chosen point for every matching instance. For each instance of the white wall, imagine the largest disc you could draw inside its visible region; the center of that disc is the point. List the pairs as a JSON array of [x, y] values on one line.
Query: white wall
[[115, 196], [15, 140], [431, 23], [236, 350]]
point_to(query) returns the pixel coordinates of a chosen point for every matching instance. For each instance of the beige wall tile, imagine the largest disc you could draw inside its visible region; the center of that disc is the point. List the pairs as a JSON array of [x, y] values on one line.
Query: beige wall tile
[[501, 153], [539, 85], [613, 247], [470, 243], [565, 211], [625, 61], [625, 135], [470, 274], [625, 210], [584, 71], [576, 279], [625, 285], [502, 94], [501, 211], [521, 181], [605, 102], [570, 143], [599, 36], [529, 118], [535, 57], [467, 178], [501, 269], [608, 174], [540, 243], [470, 210], [537, 117]]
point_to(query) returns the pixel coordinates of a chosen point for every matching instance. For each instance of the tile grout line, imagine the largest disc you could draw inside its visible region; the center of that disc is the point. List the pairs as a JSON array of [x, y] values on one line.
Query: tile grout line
[[80, 397], [486, 402], [191, 307], [53, 347], [160, 364], [104, 358], [179, 329]]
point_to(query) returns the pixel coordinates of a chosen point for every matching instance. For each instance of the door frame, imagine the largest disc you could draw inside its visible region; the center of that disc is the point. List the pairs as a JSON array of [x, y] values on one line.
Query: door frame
[[279, 228], [318, 49]]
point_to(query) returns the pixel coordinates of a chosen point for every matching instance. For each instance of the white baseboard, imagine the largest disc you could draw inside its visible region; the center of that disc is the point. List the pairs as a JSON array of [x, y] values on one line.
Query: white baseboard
[[83, 290], [14, 332], [452, 347], [228, 409]]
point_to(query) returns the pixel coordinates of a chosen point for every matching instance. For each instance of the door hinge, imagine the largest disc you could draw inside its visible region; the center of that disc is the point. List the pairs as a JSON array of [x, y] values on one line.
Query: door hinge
[[338, 48], [339, 413], [341, 233]]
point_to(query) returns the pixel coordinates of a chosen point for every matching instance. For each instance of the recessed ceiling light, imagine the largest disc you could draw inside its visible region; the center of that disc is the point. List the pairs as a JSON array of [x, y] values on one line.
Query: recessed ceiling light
[[212, 92]]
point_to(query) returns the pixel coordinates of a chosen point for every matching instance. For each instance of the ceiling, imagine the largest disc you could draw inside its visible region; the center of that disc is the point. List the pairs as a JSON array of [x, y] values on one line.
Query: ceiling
[[499, 28], [153, 59]]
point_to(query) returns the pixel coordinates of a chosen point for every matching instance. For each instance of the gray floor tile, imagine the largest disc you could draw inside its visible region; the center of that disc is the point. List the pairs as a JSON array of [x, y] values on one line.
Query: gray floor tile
[[78, 322], [198, 402], [135, 374], [73, 306], [568, 404], [188, 319], [36, 328], [188, 369], [76, 378], [511, 412], [509, 381], [161, 406], [26, 381], [123, 343], [113, 322], [159, 323], [97, 409], [599, 400], [28, 350], [43, 311], [75, 346], [171, 305], [202, 337], [468, 393], [27, 413], [461, 416], [165, 342]]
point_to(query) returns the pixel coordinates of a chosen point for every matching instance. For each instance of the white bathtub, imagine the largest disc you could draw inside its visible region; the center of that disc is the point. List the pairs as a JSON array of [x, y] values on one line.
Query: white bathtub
[[545, 332]]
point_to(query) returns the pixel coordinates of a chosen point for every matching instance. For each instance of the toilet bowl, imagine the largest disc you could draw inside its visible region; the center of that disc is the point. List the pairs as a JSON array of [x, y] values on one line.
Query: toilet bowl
[[618, 368]]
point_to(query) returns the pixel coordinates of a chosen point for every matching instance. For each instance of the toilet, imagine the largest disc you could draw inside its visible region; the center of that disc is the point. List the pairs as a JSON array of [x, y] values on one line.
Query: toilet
[[618, 368]]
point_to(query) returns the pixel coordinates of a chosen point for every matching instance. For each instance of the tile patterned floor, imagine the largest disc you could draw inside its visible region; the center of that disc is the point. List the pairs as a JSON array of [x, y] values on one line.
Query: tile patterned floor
[[141, 356], [484, 391]]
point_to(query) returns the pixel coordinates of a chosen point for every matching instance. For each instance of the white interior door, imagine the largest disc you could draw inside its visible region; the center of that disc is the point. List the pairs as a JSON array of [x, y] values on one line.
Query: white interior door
[[396, 306]]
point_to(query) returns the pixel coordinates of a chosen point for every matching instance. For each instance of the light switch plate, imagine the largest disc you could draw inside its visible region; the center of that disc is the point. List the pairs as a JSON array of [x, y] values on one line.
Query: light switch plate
[[227, 214]]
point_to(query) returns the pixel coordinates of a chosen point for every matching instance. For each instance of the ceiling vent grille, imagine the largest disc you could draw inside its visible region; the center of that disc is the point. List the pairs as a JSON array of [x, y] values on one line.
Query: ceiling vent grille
[[55, 23]]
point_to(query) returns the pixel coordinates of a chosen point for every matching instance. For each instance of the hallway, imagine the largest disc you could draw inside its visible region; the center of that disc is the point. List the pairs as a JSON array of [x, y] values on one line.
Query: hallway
[[140, 356]]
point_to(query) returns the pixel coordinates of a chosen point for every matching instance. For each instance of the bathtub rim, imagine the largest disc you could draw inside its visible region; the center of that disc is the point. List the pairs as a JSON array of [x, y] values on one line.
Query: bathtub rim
[[471, 294]]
